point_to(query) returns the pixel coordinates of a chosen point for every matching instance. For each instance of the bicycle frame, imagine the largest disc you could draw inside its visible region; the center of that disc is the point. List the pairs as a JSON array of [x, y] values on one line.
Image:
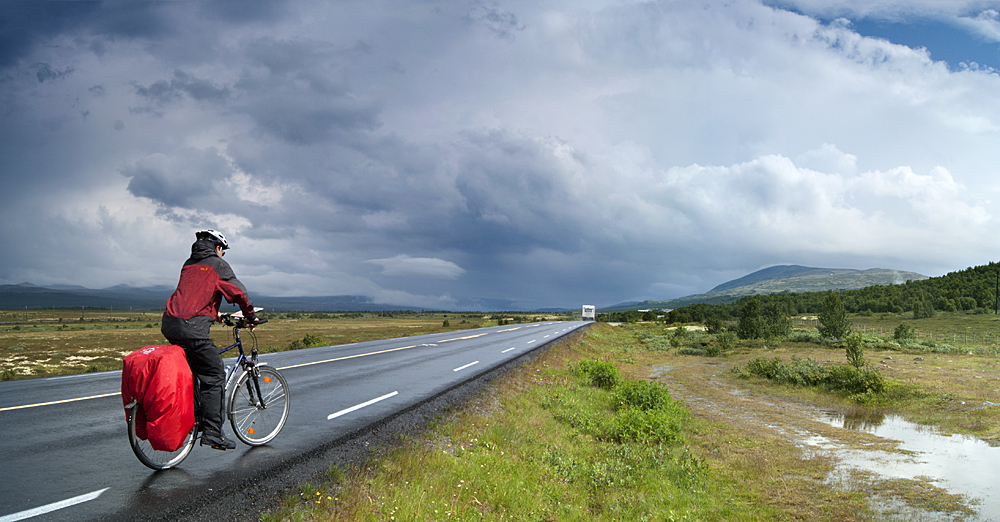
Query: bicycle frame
[[247, 364]]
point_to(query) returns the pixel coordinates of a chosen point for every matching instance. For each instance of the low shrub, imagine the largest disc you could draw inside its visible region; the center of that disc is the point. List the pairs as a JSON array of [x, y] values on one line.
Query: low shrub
[[807, 372], [724, 342], [643, 395], [602, 374], [856, 380], [903, 332], [855, 351], [805, 336], [653, 342], [648, 426]]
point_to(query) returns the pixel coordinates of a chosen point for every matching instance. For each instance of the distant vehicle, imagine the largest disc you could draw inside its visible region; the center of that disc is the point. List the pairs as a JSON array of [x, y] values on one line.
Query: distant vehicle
[[589, 312]]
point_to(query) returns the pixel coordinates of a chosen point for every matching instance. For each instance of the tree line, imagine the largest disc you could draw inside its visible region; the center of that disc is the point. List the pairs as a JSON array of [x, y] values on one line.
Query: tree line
[[972, 289]]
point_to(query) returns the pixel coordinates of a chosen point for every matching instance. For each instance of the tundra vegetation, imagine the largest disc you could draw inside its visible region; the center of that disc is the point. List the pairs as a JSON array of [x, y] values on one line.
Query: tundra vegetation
[[655, 421], [51, 342]]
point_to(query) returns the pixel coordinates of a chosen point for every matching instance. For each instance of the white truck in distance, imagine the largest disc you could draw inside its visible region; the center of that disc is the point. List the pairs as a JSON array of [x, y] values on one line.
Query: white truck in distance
[[589, 312]]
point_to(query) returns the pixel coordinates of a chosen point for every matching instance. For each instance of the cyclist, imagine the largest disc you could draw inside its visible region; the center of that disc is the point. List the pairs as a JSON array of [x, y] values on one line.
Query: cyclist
[[205, 279]]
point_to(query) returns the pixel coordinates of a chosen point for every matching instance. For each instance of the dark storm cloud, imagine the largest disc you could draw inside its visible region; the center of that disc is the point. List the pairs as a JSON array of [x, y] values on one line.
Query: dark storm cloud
[[502, 24], [44, 71], [245, 11], [25, 24], [163, 92], [188, 179], [509, 185], [471, 154], [294, 90]]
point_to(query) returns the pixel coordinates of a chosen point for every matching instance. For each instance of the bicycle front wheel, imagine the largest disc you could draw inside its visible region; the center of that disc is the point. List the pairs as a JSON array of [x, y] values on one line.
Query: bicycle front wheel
[[257, 422], [152, 458]]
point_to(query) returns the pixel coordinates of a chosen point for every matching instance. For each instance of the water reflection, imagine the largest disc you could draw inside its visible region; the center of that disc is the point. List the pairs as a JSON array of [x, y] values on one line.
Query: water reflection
[[867, 422], [958, 463]]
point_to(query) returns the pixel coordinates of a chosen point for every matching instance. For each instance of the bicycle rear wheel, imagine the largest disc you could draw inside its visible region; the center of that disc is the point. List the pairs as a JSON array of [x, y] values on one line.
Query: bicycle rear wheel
[[152, 458], [257, 423]]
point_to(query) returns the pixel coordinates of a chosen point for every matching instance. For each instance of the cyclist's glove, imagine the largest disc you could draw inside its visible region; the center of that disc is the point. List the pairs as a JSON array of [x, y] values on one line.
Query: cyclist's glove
[[251, 318]]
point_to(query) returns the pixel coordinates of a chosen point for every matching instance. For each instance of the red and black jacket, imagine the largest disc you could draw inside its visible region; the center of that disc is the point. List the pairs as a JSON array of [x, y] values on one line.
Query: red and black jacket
[[205, 280]]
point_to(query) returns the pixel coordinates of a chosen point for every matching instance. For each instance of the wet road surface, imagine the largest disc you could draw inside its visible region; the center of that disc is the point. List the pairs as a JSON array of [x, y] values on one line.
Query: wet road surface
[[65, 453]]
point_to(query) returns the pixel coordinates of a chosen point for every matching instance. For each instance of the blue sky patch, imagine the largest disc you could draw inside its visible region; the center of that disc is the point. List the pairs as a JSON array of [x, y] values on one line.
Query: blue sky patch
[[945, 42]]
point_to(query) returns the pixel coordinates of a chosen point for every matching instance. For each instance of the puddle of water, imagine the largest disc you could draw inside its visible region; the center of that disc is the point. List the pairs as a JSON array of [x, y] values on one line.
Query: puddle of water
[[958, 463]]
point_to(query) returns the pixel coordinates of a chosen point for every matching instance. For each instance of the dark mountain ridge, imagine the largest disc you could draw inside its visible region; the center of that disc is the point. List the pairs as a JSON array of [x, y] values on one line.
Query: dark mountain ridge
[[783, 279], [124, 297]]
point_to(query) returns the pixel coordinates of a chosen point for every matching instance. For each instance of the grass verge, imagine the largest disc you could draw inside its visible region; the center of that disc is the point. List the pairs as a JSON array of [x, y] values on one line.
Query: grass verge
[[550, 441]]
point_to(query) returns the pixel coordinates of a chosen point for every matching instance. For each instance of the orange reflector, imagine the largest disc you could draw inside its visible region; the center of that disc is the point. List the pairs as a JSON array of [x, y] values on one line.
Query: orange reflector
[[267, 378], [250, 431]]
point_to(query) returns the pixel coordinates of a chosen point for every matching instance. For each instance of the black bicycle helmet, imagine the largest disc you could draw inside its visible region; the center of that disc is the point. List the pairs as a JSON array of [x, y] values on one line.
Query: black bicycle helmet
[[213, 236]]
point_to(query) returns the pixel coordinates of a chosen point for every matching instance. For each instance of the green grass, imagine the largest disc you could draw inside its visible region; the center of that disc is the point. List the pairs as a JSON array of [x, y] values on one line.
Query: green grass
[[550, 443]]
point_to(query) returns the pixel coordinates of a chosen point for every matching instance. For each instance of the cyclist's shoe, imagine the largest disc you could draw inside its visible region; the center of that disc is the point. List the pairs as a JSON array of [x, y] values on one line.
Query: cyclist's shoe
[[216, 440]]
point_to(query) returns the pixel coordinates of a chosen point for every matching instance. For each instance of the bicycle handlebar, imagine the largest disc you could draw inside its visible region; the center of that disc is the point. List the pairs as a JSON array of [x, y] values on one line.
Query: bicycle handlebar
[[240, 321]]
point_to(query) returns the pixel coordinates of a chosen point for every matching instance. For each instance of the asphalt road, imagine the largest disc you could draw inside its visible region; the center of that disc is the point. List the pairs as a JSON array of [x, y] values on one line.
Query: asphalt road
[[65, 453]]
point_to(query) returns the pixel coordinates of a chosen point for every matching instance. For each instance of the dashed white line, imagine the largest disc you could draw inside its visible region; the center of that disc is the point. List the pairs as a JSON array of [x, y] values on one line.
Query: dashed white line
[[466, 366], [41, 510], [531, 341], [507, 350], [359, 406]]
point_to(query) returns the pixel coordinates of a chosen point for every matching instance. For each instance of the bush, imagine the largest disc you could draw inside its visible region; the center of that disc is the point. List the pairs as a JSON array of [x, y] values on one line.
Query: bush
[[861, 383], [855, 351], [769, 369], [311, 340], [805, 336], [866, 381], [602, 374], [652, 426], [903, 332], [643, 395], [724, 342], [713, 325]]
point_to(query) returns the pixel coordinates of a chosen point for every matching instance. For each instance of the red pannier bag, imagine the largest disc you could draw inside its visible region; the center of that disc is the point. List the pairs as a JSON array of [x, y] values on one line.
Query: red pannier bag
[[159, 378]]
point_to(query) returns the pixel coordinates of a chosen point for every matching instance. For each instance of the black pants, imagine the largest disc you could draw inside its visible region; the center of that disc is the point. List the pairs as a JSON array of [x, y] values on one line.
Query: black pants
[[205, 362], [207, 366]]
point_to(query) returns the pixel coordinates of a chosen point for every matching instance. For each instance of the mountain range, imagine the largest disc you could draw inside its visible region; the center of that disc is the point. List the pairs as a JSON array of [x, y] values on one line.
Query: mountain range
[[122, 297], [775, 279], [781, 278]]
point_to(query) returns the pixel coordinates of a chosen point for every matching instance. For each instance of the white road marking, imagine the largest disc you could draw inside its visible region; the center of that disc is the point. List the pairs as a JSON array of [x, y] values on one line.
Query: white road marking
[[346, 357], [462, 338], [68, 376], [531, 341], [466, 366], [507, 350], [359, 406], [8, 408], [52, 507]]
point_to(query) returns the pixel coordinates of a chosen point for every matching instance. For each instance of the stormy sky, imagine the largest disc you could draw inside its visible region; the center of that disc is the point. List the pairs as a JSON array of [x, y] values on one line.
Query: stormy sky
[[496, 155]]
